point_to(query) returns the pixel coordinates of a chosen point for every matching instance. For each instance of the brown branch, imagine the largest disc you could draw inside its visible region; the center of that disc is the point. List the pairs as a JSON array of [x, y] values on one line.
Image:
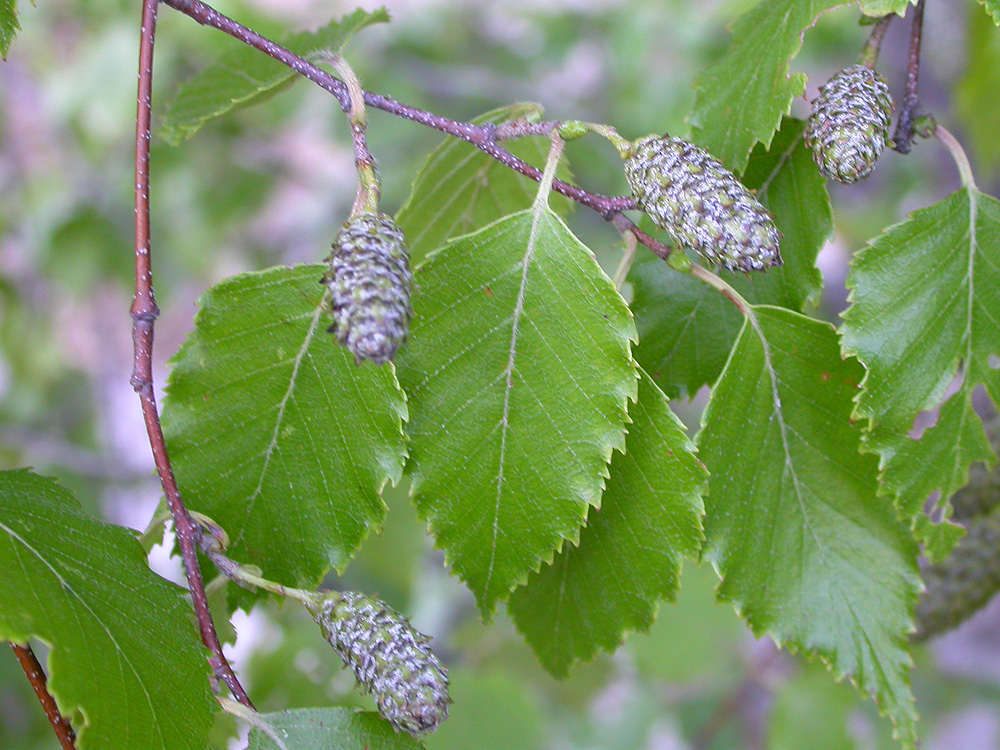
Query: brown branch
[[910, 108], [144, 312], [36, 676], [485, 137]]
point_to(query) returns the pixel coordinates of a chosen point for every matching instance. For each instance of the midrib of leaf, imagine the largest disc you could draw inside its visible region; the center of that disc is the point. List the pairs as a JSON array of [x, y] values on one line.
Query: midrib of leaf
[[537, 209], [72, 592], [785, 156], [789, 463], [279, 418]]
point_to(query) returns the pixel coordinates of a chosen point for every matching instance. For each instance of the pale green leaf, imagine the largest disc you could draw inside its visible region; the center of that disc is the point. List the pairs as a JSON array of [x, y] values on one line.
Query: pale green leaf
[[875, 8], [244, 75], [9, 25], [460, 189], [686, 329], [811, 711], [977, 106], [275, 433], [518, 371], [739, 101], [629, 555], [925, 310], [126, 661], [328, 728], [807, 551], [993, 8]]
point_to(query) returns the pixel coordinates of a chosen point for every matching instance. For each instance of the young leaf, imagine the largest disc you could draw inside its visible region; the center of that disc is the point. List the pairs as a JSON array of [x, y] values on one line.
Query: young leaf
[[925, 309], [686, 329], [807, 551], [244, 75], [518, 371], [739, 101], [125, 660], [275, 433], [325, 728], [630, 552], [460, 189], [9, 25]]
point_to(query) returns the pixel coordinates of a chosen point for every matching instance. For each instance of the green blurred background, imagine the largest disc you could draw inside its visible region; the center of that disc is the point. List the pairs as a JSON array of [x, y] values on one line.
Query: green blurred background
[[271, 185]]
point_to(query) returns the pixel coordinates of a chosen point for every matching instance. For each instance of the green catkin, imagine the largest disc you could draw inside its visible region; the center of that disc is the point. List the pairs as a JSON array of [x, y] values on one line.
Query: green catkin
[[849, 125], [701, 204], [391, 659], [370, 281]]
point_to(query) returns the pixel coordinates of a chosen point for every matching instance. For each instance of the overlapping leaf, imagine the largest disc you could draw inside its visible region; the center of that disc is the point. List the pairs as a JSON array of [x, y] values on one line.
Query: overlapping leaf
[[244, 75], [686, 329], [518, 371], [461, 189], [275, 433], [993, 8], [326, 728], [9, 25], [630, 552], [125, 661], [807, 551], [926, 309], [740, 100]]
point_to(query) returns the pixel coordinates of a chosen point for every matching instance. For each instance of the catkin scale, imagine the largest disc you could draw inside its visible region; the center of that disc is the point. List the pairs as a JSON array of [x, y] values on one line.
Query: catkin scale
[[370, 281], [389, 657], [849, 124], [701, 204]]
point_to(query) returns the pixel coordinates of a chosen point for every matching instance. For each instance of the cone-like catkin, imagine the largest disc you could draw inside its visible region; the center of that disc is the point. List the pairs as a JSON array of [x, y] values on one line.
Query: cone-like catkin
[[701, 204], [389, 657], [965, 582], [982, 494], [370, 279], [849, 124]]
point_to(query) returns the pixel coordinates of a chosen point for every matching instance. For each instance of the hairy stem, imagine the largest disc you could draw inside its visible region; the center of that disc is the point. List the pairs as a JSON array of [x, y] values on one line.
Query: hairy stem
[[910, 108], [144, 312], [36, 676], [869, 55]]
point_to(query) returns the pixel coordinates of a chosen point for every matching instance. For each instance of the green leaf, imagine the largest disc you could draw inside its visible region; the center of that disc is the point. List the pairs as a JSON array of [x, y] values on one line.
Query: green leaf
[[629, 555], [326, 728], [460, 189], [806, 550], [925, 310], [739, 101], [243, 76], [876, 8], [810, 710], [518, 371], [686, 329], [993, 8], [275, 433], [125, 660], [9, 25], [976, 103]]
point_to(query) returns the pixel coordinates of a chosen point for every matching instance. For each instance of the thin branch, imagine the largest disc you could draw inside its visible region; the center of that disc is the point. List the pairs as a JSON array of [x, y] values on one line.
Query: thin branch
[[911, 101], [483, 137], [36, 676], [144, 312], [869, 55]]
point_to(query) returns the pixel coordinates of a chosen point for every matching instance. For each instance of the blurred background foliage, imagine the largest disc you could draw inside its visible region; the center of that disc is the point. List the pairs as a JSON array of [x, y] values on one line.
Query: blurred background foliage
[[271, 185]]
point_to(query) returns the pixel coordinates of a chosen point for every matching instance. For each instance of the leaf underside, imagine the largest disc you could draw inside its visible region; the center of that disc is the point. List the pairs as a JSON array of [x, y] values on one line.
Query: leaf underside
[[125, 659], [630, 553], [244, 76], [325, 728], [275, 432], [924, 319], [807, 551], [517, 371], [460, 189]]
